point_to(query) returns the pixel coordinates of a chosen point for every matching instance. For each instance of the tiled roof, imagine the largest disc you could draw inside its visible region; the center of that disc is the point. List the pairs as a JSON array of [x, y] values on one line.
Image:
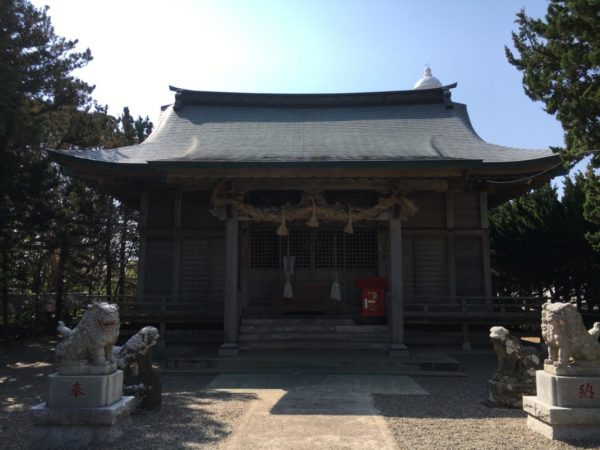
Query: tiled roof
[[203, 129]]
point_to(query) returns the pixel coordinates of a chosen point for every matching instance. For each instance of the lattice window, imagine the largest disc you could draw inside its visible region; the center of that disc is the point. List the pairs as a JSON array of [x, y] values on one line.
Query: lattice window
[[360, 249], [324, 249], [328, 249], [265, 250], [268, 249], [299, 246]]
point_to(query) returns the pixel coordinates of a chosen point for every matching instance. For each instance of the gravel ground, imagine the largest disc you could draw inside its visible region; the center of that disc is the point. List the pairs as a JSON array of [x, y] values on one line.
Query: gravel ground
[[455, 415], [23, 367], [190, 417]]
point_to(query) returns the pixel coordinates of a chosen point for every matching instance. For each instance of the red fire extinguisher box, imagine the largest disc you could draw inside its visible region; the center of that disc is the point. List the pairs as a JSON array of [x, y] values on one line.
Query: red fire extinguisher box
[[372, 296]]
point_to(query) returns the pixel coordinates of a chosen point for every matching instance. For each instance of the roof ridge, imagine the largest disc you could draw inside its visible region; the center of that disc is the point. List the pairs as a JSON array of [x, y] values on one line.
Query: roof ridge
[[407, 97]]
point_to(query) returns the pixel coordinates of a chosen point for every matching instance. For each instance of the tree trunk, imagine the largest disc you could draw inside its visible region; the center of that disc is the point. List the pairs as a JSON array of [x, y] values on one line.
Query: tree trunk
[[108, 260], [5, 295], [122, 253], [37, 288], [60, 282]]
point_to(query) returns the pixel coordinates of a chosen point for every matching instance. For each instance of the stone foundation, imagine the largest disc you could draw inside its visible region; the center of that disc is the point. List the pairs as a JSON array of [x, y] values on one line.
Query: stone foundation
[[566, 407], [559, 423], [79, 427], [81, 410], [509, 394]]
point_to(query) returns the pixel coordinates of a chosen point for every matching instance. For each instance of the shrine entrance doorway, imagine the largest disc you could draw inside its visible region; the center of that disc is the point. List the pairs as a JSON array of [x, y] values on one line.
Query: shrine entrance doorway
[[321, 266]]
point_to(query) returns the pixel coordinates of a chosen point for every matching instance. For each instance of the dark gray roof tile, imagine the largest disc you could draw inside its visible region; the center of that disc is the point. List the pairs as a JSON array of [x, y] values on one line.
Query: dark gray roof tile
[[211, 133]]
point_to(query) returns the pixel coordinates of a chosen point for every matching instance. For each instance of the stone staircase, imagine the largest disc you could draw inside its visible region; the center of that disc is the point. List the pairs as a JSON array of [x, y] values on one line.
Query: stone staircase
[[311, 333], [202, 360]]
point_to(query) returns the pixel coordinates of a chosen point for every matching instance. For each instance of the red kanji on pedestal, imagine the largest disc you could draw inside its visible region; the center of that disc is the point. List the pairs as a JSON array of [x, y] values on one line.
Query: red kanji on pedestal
[[586, 391], [77, 390]]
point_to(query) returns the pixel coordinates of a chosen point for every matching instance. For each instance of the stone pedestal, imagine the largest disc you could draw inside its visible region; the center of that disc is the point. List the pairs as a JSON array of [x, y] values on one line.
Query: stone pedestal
[[84, 391], [566, 407], [81, 410], [509, 394], [146, 388]]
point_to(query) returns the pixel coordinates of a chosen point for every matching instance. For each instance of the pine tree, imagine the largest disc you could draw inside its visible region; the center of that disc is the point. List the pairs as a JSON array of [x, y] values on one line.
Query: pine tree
[[539, 245], [37, 91], [57, 234], [559, 57]]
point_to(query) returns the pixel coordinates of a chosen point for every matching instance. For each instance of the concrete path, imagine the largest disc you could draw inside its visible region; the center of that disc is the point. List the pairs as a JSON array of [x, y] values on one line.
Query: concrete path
[[313, 411]]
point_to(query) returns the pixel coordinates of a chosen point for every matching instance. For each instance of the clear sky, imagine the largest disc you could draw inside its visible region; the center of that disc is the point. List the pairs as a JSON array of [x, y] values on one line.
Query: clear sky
[[140, 47]]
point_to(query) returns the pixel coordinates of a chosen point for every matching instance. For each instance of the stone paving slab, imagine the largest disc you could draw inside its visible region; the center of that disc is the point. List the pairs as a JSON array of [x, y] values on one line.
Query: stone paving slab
[[342, 384], [313, 411]]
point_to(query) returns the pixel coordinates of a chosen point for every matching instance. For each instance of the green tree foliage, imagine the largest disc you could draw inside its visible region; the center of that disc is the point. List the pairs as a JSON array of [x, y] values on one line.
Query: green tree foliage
[[559, 57], [592, 205], [94, 236], [56, 234], [36, 90], [539, 246]]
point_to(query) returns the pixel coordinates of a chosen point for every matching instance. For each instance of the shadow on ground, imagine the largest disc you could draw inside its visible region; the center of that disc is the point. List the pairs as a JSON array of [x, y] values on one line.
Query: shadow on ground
[[190, 417], [456, 414], [451, 398]]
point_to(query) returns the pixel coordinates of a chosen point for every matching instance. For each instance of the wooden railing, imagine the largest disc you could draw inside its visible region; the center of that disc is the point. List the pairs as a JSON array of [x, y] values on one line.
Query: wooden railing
[[158, 310], [183, 308], [437, 308], [465, 311]]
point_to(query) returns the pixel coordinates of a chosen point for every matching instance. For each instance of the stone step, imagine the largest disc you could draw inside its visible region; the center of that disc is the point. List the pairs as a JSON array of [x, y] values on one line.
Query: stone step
[[309, 320], [178, 336], [372, 361], [312, 345], [320, 337], [307, 328]]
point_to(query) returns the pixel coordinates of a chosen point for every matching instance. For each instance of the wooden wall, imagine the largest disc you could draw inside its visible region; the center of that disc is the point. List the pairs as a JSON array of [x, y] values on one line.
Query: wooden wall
[[446, 247], [182, 249], [445, 252]]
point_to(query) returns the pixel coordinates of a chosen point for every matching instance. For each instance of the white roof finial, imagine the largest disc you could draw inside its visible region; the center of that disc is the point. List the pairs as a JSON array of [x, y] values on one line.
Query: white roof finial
[[428, 81]]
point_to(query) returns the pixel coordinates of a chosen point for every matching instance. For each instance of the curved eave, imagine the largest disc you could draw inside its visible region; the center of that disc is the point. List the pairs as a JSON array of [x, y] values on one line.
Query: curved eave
[[526, 163], [63, 157], [317, 164]]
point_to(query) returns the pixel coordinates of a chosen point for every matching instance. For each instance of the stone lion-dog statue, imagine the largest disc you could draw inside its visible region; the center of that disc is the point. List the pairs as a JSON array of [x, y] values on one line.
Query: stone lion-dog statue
[[135, 356], [567, 338], [91, 342], [516, 362]]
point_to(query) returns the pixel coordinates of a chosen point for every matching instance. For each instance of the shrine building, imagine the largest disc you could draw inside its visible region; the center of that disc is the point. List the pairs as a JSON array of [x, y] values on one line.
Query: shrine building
[[362, 207]]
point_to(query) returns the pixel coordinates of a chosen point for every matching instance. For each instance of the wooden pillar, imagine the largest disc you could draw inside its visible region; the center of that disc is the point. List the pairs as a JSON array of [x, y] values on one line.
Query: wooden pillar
[[232, 310], [451, 259], [141, 272], [382, 243], [176, 247], [487, 265], [397, 349], [244, 264]]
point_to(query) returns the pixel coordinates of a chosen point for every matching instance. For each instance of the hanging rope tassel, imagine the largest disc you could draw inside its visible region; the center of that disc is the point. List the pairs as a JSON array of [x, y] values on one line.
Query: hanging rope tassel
[[348, 228], [335, 293], [282, 230], [288, 292], [313, 222]]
